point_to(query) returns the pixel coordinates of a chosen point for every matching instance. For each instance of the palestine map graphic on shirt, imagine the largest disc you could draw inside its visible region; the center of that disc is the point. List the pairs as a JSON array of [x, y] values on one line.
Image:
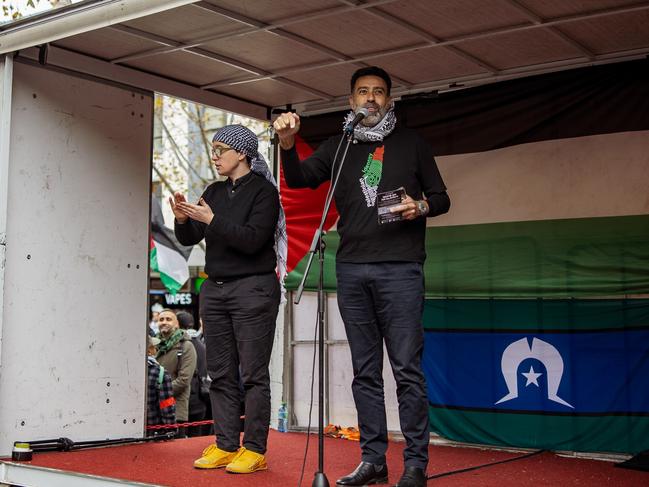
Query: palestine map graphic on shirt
[[372, 175]]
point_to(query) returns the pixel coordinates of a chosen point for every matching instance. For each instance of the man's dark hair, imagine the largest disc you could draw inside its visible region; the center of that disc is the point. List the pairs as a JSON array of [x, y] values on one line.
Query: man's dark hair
[[185, 320], [371, 71]]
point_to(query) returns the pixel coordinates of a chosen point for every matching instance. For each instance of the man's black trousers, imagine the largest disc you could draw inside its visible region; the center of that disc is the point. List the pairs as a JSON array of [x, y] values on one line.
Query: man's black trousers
[[383, 302]]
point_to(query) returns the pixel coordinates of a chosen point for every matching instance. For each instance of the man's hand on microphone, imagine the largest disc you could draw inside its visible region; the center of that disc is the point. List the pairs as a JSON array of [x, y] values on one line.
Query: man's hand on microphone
[[286, 126]]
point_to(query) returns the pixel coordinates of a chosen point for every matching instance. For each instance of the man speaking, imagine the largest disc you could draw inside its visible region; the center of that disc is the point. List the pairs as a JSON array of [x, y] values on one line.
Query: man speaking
[[389, 185]]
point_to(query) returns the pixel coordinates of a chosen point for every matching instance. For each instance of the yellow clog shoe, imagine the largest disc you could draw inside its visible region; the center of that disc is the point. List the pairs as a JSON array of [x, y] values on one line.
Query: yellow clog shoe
[[247, 461], [214, 457]]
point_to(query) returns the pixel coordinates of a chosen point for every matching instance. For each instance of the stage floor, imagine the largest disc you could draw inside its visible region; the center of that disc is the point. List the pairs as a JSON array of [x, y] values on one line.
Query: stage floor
[[170, 464]]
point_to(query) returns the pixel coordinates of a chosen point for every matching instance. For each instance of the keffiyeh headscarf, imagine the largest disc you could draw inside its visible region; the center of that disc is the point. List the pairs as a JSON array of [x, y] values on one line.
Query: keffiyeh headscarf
[[376, 133], [245, 141]]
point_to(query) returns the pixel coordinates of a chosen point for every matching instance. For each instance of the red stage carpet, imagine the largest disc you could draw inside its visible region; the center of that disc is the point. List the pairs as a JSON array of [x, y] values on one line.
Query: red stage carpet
[[170, 464]]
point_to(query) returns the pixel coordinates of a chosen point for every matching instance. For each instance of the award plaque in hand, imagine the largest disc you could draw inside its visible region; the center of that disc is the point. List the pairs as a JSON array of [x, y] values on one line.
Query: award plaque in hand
[[385, 201]]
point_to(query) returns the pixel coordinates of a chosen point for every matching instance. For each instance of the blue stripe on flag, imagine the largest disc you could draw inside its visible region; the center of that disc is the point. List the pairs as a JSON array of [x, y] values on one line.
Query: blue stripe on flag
[[601, 372]]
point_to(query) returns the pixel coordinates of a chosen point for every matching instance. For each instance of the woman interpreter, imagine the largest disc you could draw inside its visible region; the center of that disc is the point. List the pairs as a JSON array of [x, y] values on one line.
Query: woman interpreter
[[244, 229]]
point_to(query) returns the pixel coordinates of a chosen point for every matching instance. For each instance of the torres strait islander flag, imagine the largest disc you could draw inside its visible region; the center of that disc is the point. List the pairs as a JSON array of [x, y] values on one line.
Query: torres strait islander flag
[[561, 374], [537, 280]]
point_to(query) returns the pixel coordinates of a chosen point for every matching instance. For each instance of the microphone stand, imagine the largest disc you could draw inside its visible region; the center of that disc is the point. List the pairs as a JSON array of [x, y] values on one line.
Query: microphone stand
[[318, 244]]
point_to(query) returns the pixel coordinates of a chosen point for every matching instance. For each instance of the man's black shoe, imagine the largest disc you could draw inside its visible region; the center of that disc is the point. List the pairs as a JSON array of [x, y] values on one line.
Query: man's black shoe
[[366, 474], [412, 477]]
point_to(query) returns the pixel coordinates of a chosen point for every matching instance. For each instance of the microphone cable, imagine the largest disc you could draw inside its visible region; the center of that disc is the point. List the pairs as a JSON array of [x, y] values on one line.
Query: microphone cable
[[484, 465], [333, 178]]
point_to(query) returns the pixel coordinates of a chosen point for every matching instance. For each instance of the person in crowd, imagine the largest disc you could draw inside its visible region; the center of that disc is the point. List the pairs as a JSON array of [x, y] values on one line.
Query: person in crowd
[[178, 356], [245, 236], [199, 398], [186, 322], [161, 404], [153, 324], [379, 266]]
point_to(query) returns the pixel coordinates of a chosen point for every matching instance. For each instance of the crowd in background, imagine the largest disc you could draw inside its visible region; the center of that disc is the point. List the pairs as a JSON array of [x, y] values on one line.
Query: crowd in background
[[178, 382]]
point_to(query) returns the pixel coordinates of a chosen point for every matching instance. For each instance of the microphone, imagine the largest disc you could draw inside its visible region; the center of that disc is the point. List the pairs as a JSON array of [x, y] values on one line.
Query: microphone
[[360, 115]]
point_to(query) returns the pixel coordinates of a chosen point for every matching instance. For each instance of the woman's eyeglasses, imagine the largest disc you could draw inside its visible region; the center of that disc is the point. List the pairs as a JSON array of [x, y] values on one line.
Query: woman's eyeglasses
[[218, 151]]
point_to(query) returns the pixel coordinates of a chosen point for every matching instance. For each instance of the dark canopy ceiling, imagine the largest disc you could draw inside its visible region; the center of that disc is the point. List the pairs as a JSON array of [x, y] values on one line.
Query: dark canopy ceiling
[[274, 52]]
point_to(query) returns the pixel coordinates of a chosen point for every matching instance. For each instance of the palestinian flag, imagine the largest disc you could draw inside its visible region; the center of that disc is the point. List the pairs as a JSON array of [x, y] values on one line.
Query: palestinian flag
[[537, 280], [303, 213], [168, 257]]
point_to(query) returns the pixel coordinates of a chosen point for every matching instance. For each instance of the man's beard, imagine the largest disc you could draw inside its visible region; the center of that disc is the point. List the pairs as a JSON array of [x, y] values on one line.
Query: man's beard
[[372, 119]]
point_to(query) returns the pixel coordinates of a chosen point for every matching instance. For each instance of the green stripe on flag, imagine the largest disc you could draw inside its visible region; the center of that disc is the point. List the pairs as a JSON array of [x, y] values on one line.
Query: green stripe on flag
[[549, 258], [541, 315], [293, 279], [626, 434]]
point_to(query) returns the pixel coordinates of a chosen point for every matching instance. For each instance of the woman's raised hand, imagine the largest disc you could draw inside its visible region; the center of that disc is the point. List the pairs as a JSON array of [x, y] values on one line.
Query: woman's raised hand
[[178, 197]]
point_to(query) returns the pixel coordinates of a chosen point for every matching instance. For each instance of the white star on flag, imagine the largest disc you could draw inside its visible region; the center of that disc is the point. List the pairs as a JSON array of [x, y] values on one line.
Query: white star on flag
[[531, 377]]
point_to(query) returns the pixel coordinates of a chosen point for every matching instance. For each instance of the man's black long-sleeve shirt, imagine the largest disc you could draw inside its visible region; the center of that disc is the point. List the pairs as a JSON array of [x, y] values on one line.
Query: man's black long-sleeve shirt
[[239, 240], [403, 159]]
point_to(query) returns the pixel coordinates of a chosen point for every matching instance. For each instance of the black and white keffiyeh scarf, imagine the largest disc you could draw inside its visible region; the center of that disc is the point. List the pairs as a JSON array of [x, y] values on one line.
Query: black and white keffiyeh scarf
[[260, 166], [376, 133]]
